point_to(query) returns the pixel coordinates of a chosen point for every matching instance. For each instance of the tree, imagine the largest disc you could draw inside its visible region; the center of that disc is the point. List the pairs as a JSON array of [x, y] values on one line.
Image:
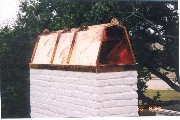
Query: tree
[[147, 23]]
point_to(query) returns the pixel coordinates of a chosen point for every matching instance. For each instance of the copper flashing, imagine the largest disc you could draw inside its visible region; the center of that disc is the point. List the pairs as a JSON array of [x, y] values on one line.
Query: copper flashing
[[71, 48], [55, 48], [87, 68]]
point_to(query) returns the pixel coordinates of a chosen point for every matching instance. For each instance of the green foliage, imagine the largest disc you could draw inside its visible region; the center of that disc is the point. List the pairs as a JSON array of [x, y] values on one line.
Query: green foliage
[[157, 96], [139, 18], [143, 76], [15, 93]]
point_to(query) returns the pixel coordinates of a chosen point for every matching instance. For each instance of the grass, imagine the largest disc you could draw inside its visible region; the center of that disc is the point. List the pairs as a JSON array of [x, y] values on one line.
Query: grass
[[166, 95]]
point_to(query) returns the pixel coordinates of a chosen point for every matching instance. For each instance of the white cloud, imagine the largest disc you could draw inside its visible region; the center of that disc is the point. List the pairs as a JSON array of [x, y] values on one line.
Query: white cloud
[[8, 11]]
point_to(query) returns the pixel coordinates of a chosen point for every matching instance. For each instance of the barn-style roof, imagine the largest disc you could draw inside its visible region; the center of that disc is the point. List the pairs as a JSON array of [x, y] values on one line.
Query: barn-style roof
[[96, 45]]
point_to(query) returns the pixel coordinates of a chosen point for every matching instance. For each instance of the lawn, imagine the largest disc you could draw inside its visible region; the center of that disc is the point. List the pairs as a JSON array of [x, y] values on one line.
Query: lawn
[[166, 95]]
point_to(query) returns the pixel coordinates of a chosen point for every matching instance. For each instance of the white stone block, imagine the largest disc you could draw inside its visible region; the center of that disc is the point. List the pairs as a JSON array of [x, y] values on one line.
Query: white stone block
[[62, 116], [50, 90], [78, 101], [107, 97], [108, 82], [73, 107], [41, 100], [35, 94], [52, 114], [89, 76], [51, 96], [54, 109], [35, 88], [36, 115], [132, 114], [40, 77], [78, 81], [129, 95], [134, 87], [118, 103], [133, 74], [38, 111], [41, 106], [114, 89], [43, 83], [117, 111], [46, 72], [56, 85], [115, 75], [58, 73], [55, 93], [34, 71], [129, 80], [75, 74], [55, 78], [33, 82]]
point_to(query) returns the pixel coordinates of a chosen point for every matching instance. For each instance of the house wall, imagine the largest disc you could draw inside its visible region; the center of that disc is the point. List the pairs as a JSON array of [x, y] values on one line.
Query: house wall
[[56, 93]]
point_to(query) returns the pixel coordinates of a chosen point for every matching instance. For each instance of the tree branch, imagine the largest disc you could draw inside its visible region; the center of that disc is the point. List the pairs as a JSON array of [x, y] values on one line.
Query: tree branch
[[127, 17], [164, 78], [139, 15], [148, 21], [169, 36]]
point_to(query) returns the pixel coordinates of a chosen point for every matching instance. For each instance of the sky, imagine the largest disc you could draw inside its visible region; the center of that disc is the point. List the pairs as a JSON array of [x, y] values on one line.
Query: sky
[[8, 11]]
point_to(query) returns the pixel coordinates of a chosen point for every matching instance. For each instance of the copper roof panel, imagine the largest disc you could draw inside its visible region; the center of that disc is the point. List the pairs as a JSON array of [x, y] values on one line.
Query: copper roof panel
[[86, 47], [63, 48], [45, 49]]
